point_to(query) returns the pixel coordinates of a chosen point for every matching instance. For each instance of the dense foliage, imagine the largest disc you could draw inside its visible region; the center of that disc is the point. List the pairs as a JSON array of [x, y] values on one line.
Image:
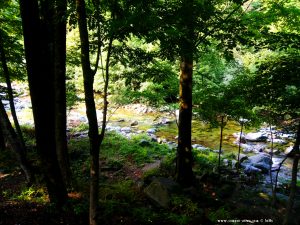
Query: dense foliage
[[221, 61]]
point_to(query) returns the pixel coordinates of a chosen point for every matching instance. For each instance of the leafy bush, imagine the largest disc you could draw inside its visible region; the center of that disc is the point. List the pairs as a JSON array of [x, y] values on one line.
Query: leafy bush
[[206, 162], [32, 194]]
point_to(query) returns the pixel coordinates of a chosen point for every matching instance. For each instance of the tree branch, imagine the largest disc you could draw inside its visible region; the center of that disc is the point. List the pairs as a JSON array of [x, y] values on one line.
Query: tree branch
[[219, 25]]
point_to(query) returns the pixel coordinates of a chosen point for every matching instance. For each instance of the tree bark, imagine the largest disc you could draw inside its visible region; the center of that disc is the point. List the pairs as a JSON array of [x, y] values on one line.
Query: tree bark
[[13, 142], [10, 93], [60, 89], [184, 162], [38, 41], [184, 173], [2, 144], [296, 154], [88, 77]]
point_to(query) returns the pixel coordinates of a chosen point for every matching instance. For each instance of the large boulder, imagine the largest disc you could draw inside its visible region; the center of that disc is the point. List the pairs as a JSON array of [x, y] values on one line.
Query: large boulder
[[158, 193], [256, 137], [261, 161]]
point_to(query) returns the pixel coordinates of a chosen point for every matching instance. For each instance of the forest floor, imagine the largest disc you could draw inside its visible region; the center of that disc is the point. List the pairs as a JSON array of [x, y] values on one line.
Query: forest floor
[[128, 168], [123, 200]]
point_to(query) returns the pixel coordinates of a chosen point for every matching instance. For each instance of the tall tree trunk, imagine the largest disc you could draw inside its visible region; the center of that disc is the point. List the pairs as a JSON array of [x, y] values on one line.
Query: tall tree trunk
[[184, 173], [38, 41], [88, 77], [60, 89], [296, 154], [10, 92], [13, 142], [184, 162]]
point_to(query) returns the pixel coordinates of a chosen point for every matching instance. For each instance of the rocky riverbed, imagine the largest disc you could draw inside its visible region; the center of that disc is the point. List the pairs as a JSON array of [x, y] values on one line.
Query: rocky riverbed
[[160, 125]]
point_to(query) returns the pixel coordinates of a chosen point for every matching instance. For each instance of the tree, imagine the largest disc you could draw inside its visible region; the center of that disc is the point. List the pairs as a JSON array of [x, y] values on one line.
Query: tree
[[95, 137], [181, 27], [13, 142], [39, 40], [184, 173], [11, 52], [6, 74], [279, 94], [290, 203], [88, 76], [14, 139], [59, 24]]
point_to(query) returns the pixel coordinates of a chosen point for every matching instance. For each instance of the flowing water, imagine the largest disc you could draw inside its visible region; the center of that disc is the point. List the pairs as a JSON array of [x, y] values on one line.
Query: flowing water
[[140, 119]]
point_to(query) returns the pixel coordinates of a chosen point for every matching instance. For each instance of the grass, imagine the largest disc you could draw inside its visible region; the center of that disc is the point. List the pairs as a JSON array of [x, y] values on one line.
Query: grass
[[118, 148]]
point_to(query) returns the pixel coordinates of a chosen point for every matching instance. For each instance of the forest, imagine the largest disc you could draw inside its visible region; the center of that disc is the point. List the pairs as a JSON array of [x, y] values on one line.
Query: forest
[[167, 112]]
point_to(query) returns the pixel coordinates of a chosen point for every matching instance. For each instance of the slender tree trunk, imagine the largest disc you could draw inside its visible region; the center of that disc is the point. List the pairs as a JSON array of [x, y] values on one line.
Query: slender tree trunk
[[274, 200], [60, 89], [13, 142], [271, 162], [38, 41], [296, 154], [221, 141], [88, 77], [239, 153], [10, 92]]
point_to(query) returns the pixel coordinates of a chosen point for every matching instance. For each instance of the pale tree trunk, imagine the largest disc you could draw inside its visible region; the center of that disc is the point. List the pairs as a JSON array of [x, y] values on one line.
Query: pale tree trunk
[[12, 141], [296, 154]]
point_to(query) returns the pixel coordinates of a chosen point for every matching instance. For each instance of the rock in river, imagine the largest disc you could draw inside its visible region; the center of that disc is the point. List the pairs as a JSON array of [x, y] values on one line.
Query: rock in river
[[261, 161], [256, 137], [134, 123]]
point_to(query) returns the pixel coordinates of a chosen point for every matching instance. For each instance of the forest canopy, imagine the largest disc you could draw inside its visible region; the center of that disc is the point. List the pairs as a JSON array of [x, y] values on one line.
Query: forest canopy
[[80, 81]]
